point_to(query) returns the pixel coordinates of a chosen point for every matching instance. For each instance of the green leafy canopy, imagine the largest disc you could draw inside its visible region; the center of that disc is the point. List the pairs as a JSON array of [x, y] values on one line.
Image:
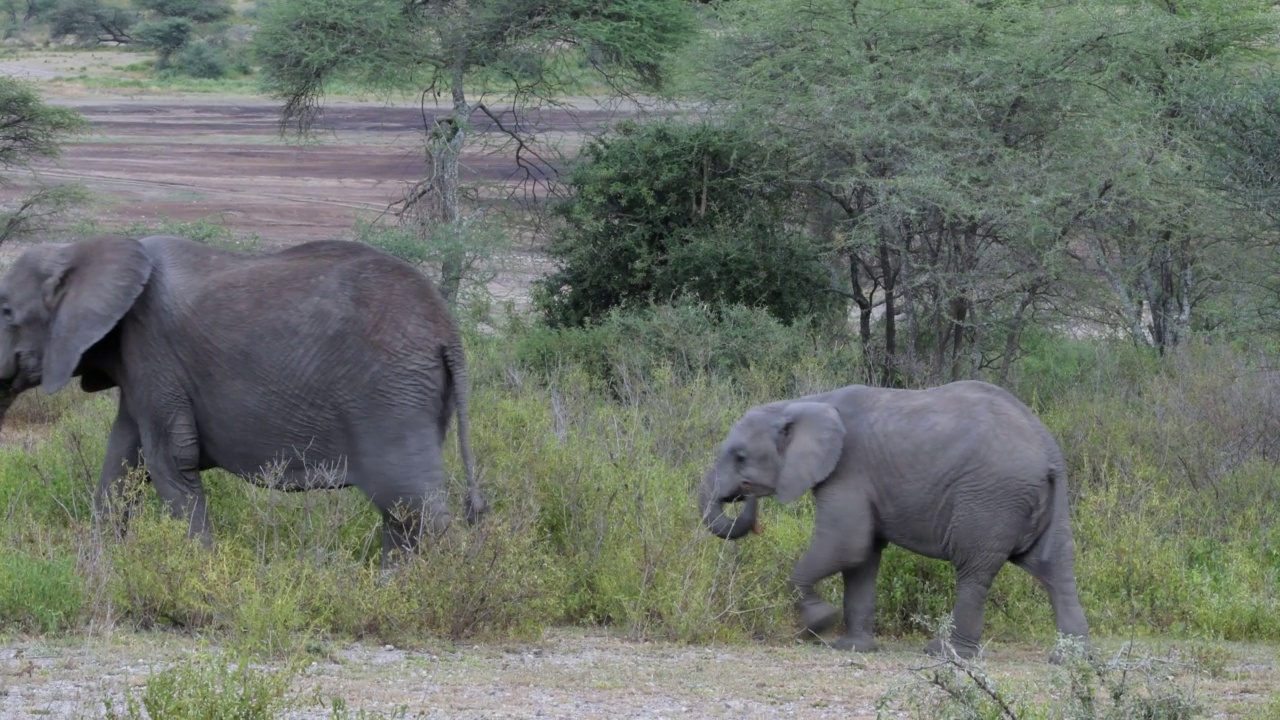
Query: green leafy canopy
[[409, 44]]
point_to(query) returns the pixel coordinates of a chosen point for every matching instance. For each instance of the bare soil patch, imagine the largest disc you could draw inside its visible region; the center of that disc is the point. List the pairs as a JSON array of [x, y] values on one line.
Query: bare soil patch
[[569, 674], [147, 160]]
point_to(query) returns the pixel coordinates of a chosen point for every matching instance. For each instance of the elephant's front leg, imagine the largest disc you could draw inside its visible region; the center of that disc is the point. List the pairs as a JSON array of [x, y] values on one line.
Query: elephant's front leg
[[112, 501], [173, 461], [860, 605], [842, 540]]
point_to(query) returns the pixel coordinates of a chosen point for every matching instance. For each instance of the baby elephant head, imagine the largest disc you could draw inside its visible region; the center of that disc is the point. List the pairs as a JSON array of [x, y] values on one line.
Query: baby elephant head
[[57, 301], [773, 450]]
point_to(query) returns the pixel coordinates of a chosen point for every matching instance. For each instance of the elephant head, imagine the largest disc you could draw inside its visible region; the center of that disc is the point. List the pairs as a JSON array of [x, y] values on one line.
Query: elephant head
[[59, 300], [773, 450]]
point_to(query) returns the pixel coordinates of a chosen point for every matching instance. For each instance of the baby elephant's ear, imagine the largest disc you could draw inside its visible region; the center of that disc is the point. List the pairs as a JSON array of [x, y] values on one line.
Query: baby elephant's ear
[[810, 441]]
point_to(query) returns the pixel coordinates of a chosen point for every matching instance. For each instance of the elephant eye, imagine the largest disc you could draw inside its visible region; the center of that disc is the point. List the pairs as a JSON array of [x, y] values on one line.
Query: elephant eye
[[739, 457]]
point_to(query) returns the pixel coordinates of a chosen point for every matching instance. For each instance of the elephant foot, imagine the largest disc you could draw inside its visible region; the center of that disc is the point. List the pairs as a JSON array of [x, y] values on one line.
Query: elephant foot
[[857, 643], [1061, 655], [964, 652], [817, 617]]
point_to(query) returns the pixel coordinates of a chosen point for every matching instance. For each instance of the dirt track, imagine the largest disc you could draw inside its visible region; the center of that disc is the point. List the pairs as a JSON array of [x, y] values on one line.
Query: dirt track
[[185, 160]]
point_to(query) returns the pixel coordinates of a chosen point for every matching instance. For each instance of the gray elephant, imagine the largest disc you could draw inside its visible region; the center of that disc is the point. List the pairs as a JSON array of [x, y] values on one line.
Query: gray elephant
[[323, 365], [962, 472]]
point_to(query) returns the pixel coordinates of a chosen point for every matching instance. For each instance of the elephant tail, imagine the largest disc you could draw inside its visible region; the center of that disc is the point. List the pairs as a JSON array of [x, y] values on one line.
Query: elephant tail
[[1053, 512], [455, 362]]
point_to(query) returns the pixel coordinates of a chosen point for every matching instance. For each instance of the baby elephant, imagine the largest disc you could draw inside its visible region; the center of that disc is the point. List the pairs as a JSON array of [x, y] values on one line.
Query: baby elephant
[[962, 472]]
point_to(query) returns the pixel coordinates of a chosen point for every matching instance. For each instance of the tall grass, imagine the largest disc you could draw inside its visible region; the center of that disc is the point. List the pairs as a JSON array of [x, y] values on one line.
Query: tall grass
[[589, 444]]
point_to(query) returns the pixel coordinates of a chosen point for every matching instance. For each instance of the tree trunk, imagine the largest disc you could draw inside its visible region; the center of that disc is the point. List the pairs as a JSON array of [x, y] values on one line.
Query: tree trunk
[[433, 203], [888, 282], [864, 301], [1015, 333]]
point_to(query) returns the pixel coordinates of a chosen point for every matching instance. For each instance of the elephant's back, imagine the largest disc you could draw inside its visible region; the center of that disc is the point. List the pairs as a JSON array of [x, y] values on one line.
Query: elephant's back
[[327, 329]]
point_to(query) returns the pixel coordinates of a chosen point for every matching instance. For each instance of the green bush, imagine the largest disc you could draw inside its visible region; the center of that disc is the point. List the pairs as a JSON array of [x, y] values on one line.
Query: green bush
[[689, 339], [672, 209], [39, 594], [208, 687], [199, 59]]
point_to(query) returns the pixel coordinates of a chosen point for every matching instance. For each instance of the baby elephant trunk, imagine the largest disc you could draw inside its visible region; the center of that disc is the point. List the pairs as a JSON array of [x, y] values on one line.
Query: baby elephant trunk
[[712, 500]]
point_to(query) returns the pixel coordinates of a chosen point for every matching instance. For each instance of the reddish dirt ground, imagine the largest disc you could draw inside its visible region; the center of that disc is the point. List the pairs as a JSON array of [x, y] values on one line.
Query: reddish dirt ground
[[149, 159]]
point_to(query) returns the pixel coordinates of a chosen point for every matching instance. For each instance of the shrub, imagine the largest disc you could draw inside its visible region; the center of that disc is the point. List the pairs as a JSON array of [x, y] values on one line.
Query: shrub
[[39, 594], [689, 339], [199, 59], [208, 687], [670, 209], [1086, 686]]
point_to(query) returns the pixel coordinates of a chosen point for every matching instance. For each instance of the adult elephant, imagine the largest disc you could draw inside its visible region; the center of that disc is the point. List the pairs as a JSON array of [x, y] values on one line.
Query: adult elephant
[[962, 472], [324, 365]]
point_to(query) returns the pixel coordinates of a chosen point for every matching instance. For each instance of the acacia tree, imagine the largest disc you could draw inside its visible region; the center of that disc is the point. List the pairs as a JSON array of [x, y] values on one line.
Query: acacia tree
[[1240, 125], [30, 130], [449, 47], [980, 164], [1166, 238], [937, 141]]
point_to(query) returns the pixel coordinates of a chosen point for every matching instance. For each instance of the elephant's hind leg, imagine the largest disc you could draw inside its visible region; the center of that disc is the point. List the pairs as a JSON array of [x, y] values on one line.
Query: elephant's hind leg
[[406, 482], [973, 581], [1056, 572]]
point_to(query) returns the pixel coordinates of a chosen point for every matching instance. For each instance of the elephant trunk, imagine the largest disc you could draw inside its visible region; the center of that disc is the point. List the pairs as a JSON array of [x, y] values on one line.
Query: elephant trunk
[[7, 396], [712, 501]]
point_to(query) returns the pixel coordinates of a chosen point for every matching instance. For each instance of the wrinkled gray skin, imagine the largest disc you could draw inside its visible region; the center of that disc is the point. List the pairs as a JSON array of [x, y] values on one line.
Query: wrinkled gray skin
[[320, 366], [963, 472]]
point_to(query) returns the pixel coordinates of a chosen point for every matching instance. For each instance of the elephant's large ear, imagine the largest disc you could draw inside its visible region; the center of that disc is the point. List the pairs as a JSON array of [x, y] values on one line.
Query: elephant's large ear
[[810, 441], [90, 285]]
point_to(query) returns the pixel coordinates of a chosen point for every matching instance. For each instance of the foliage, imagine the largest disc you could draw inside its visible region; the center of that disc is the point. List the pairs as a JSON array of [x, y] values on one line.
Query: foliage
[[22, 13], [200, 59], [305, 43], [197, 11], [210, 231], [92, 22], [446, 47], [31, 130], [39, 595], [983, 166], [1087, 686], [208, 687], [669, 210], [166, 36], [689, 340]]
